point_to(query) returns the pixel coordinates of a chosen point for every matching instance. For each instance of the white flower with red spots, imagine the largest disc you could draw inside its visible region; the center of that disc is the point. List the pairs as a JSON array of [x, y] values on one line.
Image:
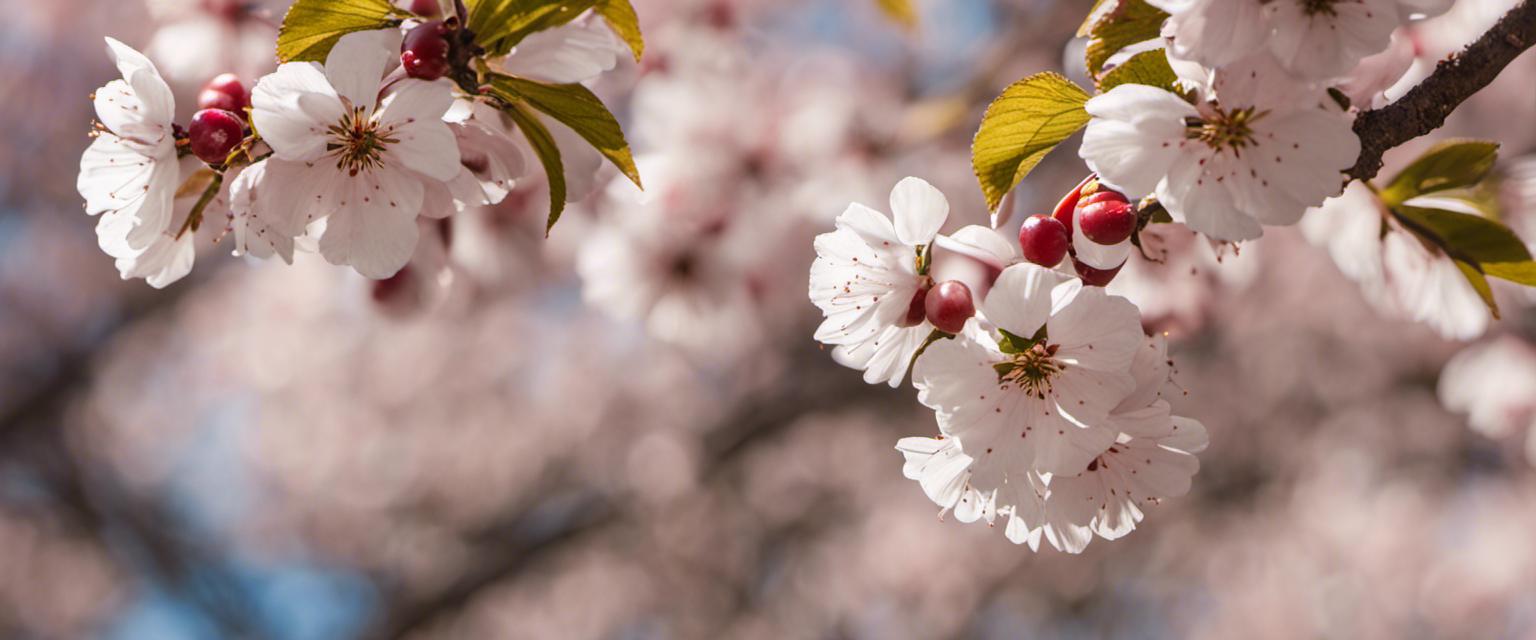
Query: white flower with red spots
[[867, 275], [357, 154], [1255, 149]]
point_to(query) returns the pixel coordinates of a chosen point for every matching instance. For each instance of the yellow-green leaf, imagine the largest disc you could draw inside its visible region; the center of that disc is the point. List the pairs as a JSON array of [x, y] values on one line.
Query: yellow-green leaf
[[1130, 22], [1094, 14], [1485, 244], [312, 27], [1452, 164], [1148, 67], [901, 12], [1022, 126], [621, 16], [574, 106], [500, 24], [549, 155]]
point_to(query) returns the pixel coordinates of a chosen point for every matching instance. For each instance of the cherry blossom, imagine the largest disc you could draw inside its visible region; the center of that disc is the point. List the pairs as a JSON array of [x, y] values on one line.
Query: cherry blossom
[[1494, 383], [866, 276], [344, 152], [1255, 148]]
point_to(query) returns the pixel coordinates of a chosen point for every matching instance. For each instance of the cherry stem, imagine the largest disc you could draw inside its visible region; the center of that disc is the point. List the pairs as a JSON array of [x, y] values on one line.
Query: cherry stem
[[195, 217]]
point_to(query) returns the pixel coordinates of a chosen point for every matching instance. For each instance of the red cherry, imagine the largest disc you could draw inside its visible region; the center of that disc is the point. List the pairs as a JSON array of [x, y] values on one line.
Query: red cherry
[[916, 310], [214, 133], [426, 8], [1044, 240], [224, 92], [949, 305], [1107, 218], [1095, 277], [424, 51]]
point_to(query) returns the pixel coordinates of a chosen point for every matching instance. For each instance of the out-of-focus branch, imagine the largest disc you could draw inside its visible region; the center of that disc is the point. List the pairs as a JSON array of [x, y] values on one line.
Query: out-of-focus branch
[[1455, 79]]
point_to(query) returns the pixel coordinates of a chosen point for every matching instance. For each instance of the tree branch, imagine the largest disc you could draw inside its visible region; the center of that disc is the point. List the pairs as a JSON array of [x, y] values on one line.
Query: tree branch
[[1455, 79]]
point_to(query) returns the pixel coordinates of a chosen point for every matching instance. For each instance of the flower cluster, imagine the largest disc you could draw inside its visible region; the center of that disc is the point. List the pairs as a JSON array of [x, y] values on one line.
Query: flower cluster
[[1049, 396], [351, 158], [1249, 135]]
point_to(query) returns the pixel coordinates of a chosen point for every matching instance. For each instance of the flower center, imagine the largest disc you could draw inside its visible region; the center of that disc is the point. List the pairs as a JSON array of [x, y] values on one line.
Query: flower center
[[1316, 7], [1031, 370], [358, 142], [1223, 130]]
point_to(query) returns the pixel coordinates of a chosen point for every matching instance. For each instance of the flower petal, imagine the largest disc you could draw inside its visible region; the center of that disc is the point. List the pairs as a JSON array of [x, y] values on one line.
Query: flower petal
[[920, 210]]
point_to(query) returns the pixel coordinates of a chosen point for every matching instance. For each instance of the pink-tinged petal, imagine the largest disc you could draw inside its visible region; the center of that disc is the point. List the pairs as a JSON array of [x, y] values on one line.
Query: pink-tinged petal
[[374, 228], [1204, 205], [1150, 368], [982, 244], [574, 52], [358, 63], [301, 193], [157, 104], [254, 221], [1098, 331], [1136, 131], [292, 108], [885, 357], [1188, 435], [920, 210], [1020, 300], [424, 144], [163, 262]]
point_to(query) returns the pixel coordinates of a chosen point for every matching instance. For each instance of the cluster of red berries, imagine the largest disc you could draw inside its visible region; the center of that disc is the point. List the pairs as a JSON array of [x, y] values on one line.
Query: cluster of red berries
[[219, 124], [947, 305], [1104, 216]]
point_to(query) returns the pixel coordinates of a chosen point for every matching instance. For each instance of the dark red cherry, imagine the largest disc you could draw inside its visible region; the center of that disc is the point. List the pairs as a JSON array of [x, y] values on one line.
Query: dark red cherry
[[213, 133], [424, 51], [949, 305], [224, 92], [1095, 277], [916, 310], [1044, 240], [1107, 218]]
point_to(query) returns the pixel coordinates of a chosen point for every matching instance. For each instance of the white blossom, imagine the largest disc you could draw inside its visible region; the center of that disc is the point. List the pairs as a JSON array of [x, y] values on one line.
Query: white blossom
[[1256, 148], [343, 152], [866, 275]]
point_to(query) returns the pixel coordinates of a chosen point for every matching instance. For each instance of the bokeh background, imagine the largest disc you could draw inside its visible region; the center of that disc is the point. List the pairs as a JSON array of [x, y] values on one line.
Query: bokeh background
[[491, 448]]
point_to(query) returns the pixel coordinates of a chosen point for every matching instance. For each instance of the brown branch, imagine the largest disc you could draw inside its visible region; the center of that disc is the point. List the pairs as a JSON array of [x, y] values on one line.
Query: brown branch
[[1455, 79]]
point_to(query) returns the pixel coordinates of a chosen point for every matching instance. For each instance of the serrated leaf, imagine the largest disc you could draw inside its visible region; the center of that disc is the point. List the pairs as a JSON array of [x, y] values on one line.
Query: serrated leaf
[[1486, 245], [1130, 22], [1148, 67], [1021, 126], [549, 155], [901, 12], [312, 27], [1094, 14], [500, 24], [621, 17], [1452, 164], [574, 106]]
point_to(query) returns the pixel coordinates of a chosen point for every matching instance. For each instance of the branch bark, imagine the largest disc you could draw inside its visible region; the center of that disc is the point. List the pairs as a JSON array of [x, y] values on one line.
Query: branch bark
[[1455, 79]]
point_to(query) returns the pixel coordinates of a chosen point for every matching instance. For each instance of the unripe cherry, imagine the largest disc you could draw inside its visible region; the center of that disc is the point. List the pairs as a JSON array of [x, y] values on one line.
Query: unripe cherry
[[1107, 218], [949, 305], [917, 309], [426, 8], [1095, 277], [213, 133], [1044, 240], [224, 92], [424, 51]]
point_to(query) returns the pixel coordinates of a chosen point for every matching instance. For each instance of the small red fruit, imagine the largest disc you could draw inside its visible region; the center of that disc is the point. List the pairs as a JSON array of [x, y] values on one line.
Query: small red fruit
[[1095, 277], [213, 133], [426, 8], [1044, 240], [1068, 204], [1107, 218], [916, 310], [424, 51], [224, 92], [949, 305]]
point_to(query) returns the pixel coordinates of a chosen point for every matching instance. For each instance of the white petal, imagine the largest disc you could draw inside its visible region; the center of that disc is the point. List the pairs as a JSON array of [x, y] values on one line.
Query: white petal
[[426, 145], [981, 244], [574, 52], [1020, 300], [920, 211], [292, 108], [359, 62], [374, 228]]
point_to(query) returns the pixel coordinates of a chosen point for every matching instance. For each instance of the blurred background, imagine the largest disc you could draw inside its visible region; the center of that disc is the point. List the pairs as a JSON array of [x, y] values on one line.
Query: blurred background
[[500, 444]]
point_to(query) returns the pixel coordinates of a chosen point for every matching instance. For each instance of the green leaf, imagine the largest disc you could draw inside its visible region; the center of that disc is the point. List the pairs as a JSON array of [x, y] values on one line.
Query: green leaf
[[1130, 22], [1486, 245], [901, 12], [574, 106], [621, 17], [1022, 126], [549, 155], [1148, 68], [500, 24], [312, 27], [1452, 164]]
